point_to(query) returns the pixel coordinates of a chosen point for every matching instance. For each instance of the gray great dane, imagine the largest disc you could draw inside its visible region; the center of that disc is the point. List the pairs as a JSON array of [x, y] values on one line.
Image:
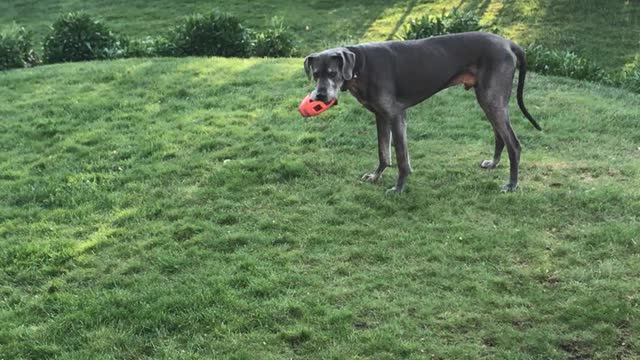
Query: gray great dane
[[389, 77]]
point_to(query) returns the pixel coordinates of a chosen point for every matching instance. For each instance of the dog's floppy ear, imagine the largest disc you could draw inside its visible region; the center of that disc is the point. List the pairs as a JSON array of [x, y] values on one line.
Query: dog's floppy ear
[[348, 63], [307, 64]]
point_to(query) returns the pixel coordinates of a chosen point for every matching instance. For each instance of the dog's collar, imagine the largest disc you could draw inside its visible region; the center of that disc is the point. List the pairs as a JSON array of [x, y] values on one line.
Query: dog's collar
[[359, 64], [345, 84]]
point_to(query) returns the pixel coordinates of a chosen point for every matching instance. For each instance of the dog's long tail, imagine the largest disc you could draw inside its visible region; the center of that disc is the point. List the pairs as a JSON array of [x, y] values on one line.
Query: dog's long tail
[[522, 67]]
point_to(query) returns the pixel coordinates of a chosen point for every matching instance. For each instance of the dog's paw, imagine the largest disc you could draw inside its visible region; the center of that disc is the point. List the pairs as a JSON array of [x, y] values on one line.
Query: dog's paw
[[394, 190], [488, 164], [372, 177], [509, 187]]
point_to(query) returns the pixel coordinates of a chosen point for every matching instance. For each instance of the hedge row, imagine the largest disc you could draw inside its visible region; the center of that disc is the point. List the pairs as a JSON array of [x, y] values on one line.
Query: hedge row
[[80, 37], [16, 48]]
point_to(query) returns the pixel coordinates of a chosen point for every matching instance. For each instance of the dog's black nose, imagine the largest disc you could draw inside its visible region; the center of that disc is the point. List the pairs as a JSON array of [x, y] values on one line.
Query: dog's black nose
[[321, 97]]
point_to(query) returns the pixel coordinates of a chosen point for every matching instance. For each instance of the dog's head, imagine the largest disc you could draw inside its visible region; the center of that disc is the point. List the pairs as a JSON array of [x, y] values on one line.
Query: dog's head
[[330, 69]]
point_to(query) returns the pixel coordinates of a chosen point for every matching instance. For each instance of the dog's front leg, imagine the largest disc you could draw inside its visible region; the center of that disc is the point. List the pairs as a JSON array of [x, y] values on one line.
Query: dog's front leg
[[384, 150], [399, 133]]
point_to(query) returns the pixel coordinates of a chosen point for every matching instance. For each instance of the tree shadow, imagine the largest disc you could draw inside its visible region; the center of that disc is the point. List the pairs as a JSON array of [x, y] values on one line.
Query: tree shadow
[[402, 20], [322, 24], [477, 6], [607, 32]]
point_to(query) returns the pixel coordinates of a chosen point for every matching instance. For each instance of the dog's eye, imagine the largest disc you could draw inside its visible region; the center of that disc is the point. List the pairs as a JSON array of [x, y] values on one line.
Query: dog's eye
[[332, 74], [316, 75]]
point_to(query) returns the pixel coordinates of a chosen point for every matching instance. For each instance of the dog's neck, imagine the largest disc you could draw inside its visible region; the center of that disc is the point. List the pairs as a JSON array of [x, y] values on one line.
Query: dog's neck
[[357, 85]]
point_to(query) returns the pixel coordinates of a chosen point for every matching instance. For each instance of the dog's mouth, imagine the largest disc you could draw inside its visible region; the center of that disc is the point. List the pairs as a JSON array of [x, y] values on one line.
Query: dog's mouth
[[327, 102]]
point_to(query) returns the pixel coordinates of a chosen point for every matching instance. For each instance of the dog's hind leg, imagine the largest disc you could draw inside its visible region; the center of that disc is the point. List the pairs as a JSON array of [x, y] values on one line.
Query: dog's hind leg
[[399, 133], [497, 153], [493, 92]]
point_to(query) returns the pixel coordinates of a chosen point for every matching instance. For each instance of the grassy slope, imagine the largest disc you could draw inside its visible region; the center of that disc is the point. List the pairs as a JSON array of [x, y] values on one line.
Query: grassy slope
[[606, 31], [125, 234]]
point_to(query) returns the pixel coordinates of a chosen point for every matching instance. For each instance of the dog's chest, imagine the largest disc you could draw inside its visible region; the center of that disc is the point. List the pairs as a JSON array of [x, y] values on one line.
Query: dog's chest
[[358, 91]]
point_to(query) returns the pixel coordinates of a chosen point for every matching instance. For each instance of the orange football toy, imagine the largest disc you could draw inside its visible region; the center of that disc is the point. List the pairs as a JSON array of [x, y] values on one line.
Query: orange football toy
[[309, 107]]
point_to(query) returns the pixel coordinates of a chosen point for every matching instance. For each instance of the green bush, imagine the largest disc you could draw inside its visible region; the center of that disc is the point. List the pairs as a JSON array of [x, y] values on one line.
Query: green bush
[[423, 28], [215, 34], [78, 37], [16, 50], [446, 23], [277, 41], [630, 78], [563, 63], [455, 22], [148, 47]]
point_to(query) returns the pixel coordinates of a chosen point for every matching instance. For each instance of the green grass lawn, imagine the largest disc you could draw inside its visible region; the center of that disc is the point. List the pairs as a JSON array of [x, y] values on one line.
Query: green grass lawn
[[181, 209], [607, 32]]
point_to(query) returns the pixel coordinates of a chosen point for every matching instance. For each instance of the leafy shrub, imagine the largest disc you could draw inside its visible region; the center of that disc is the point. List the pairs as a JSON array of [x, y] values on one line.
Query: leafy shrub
[[277, 41], [455, 22], [215, 34], [16, 50], [446, 23], [78, 37], [563, 63], [630, 78], [423, 28], [148, 47]]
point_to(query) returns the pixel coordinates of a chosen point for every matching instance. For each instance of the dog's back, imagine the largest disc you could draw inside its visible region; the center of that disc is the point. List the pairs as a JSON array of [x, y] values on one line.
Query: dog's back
[[417, 69]]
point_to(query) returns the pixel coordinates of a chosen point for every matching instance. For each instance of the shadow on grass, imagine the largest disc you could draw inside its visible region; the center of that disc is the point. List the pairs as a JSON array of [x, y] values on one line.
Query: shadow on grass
[[402, 20], [586, 27]]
